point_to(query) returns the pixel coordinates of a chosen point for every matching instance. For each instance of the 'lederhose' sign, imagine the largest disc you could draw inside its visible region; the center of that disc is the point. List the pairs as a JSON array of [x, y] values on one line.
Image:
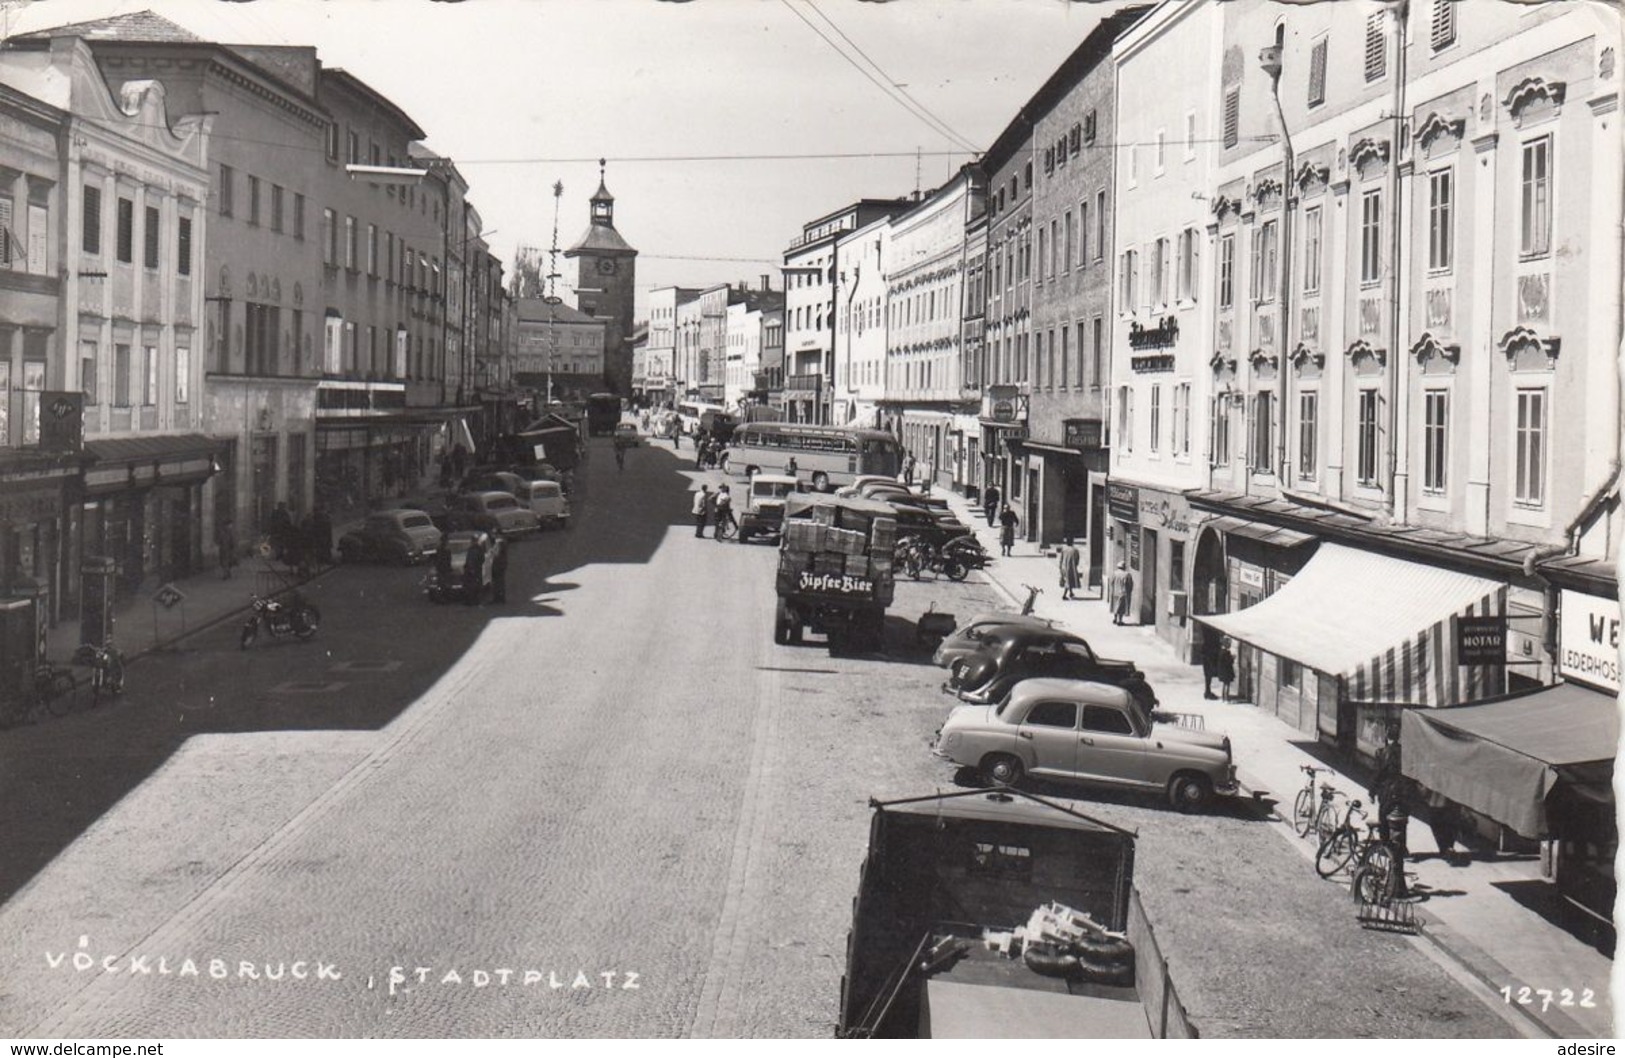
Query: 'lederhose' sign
[[1588, 630]]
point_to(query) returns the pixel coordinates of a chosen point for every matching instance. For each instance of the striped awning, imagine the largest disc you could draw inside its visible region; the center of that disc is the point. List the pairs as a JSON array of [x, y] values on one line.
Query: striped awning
[[1382, 624]]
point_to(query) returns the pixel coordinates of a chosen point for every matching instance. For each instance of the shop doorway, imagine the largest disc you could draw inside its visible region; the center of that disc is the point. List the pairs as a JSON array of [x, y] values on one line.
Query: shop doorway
[[1030, 524], [1148, 578], [1247, 660]]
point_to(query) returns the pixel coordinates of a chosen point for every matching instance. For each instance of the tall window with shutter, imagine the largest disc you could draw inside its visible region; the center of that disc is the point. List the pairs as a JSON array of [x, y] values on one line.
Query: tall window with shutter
[[8, 232], [92, 240], [1443, 29], [1317, 73], [1376, 47], [149, 238], [183, 246], [126, 230], [1232, 115]]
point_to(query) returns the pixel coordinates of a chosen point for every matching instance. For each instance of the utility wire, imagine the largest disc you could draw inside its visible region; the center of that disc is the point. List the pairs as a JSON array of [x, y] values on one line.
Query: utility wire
[[925, 116], [891, 80]]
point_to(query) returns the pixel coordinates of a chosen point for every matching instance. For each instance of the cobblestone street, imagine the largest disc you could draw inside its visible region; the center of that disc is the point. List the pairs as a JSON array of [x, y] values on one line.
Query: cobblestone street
[[622, 811]]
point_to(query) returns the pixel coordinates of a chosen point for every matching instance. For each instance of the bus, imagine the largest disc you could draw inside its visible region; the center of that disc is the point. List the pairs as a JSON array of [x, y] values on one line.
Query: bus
[[827, 456], [603, 413], [689, 413]]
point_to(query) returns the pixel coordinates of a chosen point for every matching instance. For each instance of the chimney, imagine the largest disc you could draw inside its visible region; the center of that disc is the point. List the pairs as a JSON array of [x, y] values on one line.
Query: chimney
[[767, 281]]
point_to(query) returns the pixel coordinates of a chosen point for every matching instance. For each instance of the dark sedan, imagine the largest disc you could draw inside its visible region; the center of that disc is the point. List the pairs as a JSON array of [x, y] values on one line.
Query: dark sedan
[[402, 536], [914, 520], [1012, 654]]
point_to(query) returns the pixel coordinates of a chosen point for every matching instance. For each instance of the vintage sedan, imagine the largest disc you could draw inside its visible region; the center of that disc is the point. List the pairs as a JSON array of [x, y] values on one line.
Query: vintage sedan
[[971, 636], [446, 582], [401, 536], [914, 520], [498, 513], [1014, 653], [626, 435], [1086, 732]]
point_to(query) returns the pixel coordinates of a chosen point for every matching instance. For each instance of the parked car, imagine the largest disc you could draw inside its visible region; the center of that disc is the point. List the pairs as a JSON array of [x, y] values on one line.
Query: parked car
[[1087, 732], [498, 513], [626, 435], [545, 497], [1014, 654], [970, 636], [913, 520], [400, 535], [445, 582]]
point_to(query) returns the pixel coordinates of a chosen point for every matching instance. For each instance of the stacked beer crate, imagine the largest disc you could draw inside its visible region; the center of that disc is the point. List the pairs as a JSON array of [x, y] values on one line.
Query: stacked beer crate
[[840, 541]]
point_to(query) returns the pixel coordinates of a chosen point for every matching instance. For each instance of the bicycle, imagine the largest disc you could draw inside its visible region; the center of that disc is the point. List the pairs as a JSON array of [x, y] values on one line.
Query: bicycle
[[1306, 816], [1377, 871], [106, 670], [727, 527], [49, 690]]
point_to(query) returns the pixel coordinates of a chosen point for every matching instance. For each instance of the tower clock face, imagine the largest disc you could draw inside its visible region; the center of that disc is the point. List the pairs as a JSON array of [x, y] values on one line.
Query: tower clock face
[[606, 266]]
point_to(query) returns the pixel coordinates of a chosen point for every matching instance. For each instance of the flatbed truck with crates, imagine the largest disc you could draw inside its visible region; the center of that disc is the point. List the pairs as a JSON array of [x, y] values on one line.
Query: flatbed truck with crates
[[835, 575]]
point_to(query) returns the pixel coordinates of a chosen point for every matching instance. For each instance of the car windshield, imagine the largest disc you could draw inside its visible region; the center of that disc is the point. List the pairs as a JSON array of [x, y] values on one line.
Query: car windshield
[[416, 521], [501, 503]]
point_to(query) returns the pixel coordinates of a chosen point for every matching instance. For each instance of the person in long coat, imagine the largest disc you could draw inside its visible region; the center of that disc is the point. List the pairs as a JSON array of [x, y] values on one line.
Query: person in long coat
[[473, 574], [1122, 592], [499, 572], [990, 504], [225, 542], [1007, 529], [1071, 578]]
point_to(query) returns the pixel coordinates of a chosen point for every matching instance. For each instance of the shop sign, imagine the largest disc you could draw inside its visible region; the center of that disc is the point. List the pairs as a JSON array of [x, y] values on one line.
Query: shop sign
[[62, 422], [1153, 363], [1481, 640], [1162, 336], [1588, 639], [1133, 550], [1250, 577], [1123, 501], [1004, 404], [1162, 514], [1081, 433], [168, 595]]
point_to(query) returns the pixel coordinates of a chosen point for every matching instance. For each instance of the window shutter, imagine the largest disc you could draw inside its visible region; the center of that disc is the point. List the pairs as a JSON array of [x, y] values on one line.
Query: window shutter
[[6, 235], [1376, 47], [1232, 116], [38, 222], [1444, 24], [92, 241], [1317, 73]]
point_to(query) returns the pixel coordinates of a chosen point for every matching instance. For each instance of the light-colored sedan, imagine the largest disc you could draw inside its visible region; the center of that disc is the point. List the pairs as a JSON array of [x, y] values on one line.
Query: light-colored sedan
[[1093, 733]]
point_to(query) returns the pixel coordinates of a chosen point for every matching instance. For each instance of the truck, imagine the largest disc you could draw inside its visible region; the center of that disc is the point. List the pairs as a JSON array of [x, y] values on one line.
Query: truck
[[835, 573], [992, 914]]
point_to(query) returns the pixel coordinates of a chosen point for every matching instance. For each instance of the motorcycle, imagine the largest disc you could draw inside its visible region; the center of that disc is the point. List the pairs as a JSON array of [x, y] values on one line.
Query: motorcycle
[[917, 555], [296, 617], [968, 552]]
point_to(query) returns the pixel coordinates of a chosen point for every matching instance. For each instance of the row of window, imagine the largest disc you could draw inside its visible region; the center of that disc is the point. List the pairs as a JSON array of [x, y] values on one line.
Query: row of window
[[400, 263], [1529, 441], [135, 381], [1064, 357], [125, 233]]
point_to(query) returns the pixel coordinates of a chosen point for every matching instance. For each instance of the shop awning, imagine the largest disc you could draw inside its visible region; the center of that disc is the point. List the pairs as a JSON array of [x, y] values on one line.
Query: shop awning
[[1382, 623], [155, 449], [1274, 535], [1503, 758]]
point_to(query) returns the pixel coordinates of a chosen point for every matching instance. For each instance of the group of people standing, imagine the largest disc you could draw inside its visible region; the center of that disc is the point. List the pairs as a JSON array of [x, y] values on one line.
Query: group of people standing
[[713, 508], [306, 544], [473, 578]]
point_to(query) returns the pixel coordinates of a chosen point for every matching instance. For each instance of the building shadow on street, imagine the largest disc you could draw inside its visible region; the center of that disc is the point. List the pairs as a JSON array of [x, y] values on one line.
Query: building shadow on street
[[1543, 899]]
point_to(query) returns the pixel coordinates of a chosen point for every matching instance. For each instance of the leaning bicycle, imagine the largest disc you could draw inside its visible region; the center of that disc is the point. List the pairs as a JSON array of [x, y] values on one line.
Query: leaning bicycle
[[1310, 816], [106, 665], [48, 691], [1375, 864]]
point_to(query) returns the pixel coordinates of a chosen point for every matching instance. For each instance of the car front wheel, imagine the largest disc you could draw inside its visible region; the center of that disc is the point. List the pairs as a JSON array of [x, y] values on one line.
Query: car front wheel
[[1003, 769], [1190, 793]]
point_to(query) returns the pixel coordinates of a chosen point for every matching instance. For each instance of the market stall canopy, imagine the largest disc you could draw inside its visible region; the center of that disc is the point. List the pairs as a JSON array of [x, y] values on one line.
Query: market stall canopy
[[1382, 623], [1503, 758]]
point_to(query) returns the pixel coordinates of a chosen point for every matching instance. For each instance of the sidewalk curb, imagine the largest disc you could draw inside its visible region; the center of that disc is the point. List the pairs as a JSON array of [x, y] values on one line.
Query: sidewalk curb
[[210, 623]]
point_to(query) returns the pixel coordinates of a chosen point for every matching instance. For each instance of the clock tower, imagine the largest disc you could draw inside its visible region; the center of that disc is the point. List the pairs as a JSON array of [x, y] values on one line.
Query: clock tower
[[606, 271]]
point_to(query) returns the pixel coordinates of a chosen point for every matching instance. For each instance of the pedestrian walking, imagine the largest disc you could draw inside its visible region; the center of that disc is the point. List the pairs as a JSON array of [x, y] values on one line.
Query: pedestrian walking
[[1226, 666], [474, 574], [1007, 530], [710, 515], [499, 571], [702, 506], [459, 462], [1122, 592], [790, 466], [225, 542], [1070, 558], [1210, 662], [990, 504], [1444, 820], [908, 470], [445, 471]]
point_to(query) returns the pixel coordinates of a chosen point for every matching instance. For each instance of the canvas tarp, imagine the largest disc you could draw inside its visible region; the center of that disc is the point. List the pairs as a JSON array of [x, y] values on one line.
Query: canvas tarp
[[1503, 758]]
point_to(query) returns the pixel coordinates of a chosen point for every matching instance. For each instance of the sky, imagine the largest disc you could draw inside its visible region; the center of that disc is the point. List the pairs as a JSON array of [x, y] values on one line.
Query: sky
[[683, 98]]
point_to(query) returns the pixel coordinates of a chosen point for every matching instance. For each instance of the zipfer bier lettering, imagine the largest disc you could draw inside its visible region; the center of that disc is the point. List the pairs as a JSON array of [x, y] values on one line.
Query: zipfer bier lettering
[[835, 582]]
